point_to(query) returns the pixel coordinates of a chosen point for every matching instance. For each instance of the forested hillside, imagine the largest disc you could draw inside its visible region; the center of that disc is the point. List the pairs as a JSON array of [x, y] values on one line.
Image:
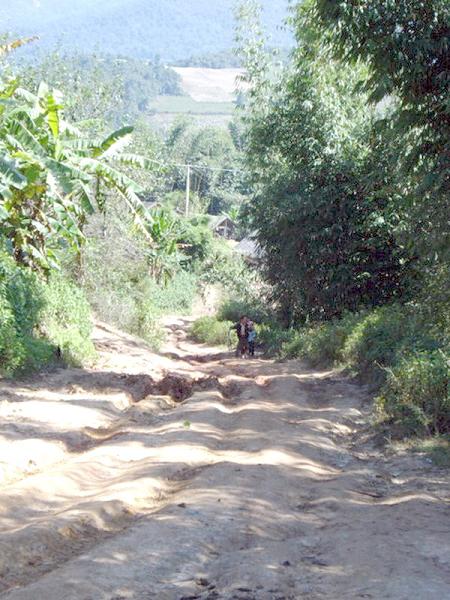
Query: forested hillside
[[172, 29]]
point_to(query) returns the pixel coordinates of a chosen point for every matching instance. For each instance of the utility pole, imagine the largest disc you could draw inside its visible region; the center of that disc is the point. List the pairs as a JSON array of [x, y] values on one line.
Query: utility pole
[[188, 190]]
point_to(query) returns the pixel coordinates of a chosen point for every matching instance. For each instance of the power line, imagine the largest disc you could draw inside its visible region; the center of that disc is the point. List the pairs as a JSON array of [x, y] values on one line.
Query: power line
[[188, 168], [213, 168], [195, 166]]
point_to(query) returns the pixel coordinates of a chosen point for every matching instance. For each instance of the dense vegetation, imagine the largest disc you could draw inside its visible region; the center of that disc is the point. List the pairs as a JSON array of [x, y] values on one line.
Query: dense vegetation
[[172, 29], [73, 193], [102, 87], [40, 321], [349, 150]]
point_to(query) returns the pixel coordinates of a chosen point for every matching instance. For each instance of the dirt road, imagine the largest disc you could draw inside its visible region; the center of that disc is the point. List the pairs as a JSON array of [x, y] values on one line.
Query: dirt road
[[191, 475]]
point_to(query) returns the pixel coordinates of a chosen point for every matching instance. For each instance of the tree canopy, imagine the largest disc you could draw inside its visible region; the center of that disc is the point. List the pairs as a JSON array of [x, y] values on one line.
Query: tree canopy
[[349, 151]]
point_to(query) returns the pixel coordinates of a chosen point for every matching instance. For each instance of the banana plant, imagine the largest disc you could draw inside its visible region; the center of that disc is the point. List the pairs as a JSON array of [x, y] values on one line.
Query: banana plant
[[52, 177], [164, 255]]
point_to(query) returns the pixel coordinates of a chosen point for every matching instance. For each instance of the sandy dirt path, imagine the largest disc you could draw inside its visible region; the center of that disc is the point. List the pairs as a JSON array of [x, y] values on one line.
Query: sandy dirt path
[[192, 475]]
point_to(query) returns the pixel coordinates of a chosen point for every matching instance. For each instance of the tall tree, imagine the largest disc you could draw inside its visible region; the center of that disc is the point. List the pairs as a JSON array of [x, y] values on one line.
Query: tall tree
[[322, 212], [406, 46]]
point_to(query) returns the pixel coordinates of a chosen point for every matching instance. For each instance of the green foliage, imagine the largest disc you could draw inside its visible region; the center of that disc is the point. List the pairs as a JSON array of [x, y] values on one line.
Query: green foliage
[[416, 396], [367, 342], [322, 214], [394, 349], [65, 320], [197, 240], [163, 254], [379, 339], [348, 148], [243, 292], [12, 351], [122, 290], [177, 295], [144, 320], [21, 300], [222, 184], [416, 75], [102, 88], [232, 308], [209, 330], [437, 448], [272, 337], [38, 318], [52, 177], [323, 343], [417, 69]]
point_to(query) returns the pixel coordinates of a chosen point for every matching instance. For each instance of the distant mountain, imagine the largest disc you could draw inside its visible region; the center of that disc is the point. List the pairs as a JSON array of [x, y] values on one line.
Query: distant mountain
[[172, 29]]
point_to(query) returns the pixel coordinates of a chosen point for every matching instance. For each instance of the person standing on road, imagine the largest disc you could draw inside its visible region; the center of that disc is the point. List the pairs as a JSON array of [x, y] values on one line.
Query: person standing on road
[[241, 328]]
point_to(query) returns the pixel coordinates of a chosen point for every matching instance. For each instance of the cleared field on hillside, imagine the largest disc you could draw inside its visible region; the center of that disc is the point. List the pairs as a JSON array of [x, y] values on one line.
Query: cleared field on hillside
[[210, 85], [187, 105]]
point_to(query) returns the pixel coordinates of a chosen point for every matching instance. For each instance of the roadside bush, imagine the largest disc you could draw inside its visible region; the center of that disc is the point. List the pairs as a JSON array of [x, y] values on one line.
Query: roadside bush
[[233, 308], [145, 322], [21, 300], [12, 349], [436, 447], [65, 320], [322, 344], [177, 296], [225, 267], [416, 395], [378, 341], [271, 338], [37, 318], [197, 241], [209, 330]]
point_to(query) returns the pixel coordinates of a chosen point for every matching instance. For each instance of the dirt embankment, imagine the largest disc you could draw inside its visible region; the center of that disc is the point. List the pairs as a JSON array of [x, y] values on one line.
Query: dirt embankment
[[190, 474]]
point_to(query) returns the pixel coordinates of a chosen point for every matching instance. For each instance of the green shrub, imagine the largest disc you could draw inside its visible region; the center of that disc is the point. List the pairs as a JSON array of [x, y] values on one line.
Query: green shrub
[[209, 330], [224, 266], [232, 309], [272, 338], [38, 317], [378, 341], [66, 320], [322, 344], [416, 395], [197, 240], [146, 324], [12, 350], [177, 296], [437, 448], [21, 299], [148, 301]]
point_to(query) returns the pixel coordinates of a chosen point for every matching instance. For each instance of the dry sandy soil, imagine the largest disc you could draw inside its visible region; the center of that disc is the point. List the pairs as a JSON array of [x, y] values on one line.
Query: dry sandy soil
[[192, 475], [209, 85]]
